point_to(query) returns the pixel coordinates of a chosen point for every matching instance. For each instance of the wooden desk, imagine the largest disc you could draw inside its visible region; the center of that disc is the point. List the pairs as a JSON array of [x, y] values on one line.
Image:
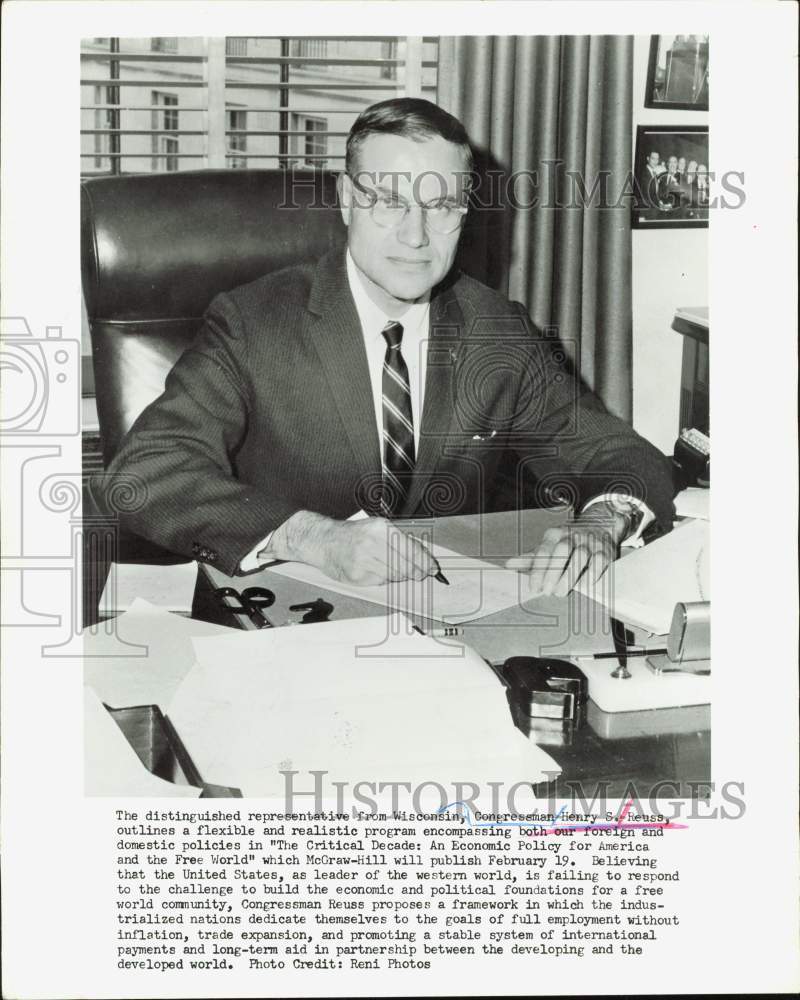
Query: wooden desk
[[614, 748]]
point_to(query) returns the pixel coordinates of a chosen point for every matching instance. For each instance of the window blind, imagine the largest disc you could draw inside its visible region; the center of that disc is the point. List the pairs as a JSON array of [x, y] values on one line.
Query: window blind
[[150, 104]]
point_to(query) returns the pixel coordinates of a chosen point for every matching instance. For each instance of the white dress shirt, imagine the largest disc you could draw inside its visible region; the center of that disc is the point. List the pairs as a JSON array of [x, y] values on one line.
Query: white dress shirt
[[414, 347]]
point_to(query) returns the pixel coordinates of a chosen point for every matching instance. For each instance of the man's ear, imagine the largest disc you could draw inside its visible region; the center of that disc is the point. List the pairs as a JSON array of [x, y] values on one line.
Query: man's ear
[[344, 189]]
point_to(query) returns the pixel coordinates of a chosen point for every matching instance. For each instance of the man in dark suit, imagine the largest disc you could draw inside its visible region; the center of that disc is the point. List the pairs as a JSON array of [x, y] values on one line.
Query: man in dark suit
[[669, 185], [381, 380], [648, 179]]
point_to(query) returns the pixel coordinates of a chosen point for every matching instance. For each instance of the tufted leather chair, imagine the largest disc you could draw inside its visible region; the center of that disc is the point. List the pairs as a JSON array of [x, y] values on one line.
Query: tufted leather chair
[[157, 248]]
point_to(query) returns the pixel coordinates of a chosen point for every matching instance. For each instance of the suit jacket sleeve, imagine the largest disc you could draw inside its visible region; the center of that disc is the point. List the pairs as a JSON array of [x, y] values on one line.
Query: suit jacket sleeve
[[575, 448], [180, 454]]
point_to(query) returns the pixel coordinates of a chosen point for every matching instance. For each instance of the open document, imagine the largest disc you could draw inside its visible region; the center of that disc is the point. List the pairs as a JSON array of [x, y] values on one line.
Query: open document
[[475, 588]]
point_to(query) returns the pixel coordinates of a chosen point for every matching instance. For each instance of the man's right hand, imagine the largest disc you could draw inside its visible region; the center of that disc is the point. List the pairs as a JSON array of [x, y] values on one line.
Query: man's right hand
[[364, 553]]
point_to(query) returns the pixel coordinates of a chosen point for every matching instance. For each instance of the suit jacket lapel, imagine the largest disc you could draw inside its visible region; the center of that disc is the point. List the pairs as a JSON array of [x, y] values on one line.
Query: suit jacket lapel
[[336, 332]]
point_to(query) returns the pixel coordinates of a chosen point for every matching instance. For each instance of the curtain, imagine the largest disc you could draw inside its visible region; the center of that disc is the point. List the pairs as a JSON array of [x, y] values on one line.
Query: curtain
[[545, 115]]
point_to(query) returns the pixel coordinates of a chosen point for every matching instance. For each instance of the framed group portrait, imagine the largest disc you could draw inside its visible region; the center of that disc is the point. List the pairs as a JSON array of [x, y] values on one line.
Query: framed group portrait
[[672, 178]]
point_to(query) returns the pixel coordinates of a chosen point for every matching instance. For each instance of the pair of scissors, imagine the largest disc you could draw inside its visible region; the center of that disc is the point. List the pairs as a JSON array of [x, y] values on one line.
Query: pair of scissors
[[250, 602]]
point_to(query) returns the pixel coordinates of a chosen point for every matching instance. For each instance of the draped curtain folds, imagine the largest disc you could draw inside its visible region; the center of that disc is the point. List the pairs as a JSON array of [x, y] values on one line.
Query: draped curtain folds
[[550, 117]]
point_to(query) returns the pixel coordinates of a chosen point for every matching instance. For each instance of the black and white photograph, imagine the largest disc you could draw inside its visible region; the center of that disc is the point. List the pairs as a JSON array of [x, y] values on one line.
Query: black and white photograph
[[356, 462], [320, 316], [677, 74], [673, 178]]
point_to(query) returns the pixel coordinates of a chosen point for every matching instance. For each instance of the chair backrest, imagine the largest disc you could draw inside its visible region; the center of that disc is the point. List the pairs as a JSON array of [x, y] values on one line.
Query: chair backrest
[[157, 248]]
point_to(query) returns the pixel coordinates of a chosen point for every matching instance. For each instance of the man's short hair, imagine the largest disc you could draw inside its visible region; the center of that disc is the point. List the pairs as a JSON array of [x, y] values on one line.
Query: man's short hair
[[410, 117]]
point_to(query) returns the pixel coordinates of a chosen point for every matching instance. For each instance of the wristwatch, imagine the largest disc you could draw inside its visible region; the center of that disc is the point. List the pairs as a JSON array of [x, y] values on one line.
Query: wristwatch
[[636, 513]]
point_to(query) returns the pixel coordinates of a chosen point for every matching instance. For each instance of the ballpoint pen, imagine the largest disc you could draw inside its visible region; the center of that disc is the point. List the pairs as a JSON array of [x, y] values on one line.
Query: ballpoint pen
[[438, 575], [629, 652]]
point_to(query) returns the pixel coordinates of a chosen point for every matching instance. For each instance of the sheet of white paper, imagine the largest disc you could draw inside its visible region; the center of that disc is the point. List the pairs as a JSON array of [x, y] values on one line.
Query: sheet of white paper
[[351, 699], [694, 502], [476, 588], [168, 587], [111, 766], [141, 657], [645, 586]]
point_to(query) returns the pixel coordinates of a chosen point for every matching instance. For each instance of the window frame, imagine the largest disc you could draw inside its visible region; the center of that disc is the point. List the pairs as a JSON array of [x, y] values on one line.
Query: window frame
[[164, 104], [236, 143], [331, 82]]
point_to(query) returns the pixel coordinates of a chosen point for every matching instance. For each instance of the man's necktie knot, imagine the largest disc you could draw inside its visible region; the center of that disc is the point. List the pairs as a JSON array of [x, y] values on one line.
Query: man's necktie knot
[[393, 335]]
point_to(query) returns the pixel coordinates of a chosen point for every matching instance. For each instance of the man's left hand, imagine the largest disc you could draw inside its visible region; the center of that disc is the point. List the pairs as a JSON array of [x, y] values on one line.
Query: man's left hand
[[582, 549]]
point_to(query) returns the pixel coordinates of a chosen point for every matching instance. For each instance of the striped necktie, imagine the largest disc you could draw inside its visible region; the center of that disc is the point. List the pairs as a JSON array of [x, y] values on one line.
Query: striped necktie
[[398, 424]]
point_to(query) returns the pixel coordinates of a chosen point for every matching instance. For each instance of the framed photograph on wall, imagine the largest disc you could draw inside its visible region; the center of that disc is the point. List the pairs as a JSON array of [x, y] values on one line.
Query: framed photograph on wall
[[677, 74], [671, 177]]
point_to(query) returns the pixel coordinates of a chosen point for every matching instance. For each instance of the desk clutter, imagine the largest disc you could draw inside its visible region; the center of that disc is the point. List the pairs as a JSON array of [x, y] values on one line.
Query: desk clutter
[[364, 700], [407, 686], [368, 700]]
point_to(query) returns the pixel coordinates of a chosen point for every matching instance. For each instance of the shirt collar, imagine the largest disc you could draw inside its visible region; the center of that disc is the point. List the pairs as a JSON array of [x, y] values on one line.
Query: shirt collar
[[373, 318]]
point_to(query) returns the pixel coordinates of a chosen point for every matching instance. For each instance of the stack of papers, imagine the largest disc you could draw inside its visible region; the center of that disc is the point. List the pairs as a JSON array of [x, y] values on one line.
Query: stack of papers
[[142, 656], [362, 701], [365, 700]]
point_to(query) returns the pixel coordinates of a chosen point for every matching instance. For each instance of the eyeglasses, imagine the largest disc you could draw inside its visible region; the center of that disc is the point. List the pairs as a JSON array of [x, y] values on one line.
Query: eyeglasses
[[387, 210]]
